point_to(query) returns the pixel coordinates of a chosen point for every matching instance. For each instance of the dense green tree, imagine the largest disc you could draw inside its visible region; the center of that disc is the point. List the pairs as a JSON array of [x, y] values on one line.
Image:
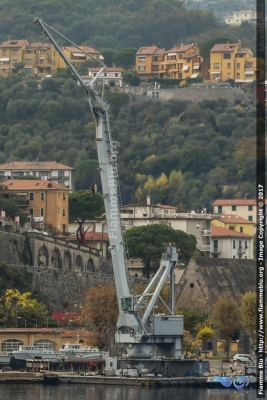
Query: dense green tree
[[84, 205], [149, 242]]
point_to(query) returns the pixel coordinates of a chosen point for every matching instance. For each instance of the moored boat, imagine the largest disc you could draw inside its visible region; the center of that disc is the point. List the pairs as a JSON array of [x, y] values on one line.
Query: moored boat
[[30, 352]]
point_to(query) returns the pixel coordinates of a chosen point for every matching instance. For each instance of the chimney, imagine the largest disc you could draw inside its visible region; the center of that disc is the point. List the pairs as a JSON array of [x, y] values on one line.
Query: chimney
[[148, 200], [239, 44]]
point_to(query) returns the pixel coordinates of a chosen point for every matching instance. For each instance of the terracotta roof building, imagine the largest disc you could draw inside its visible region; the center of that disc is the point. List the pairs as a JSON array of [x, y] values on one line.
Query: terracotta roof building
[[46, 202], [227, 243], [50, 170]]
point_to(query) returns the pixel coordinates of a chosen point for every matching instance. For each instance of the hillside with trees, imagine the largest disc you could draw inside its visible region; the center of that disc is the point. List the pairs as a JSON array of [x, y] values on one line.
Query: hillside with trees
[[113, 24], [182, 153]]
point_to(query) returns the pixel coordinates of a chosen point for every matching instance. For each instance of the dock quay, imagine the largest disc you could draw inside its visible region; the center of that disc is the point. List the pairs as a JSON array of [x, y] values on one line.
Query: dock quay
[[59, 377]]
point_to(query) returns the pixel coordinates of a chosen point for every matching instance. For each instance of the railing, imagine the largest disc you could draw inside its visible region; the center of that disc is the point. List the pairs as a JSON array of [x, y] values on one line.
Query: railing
[[206, 232], [205, 247]]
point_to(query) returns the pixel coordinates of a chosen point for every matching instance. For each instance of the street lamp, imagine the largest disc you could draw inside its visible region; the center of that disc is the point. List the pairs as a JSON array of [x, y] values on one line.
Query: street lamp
[[24, 321]]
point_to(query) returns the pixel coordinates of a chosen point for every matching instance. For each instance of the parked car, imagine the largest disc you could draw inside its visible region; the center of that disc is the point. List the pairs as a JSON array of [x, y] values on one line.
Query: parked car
[[44, 233], [33, 230], [242, 358]]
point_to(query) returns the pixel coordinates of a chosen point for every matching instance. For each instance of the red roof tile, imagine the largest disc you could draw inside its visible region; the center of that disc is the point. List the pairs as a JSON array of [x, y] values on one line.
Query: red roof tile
[[235, 202], [164, 206], [14, 43], [97, 236], [182, 49], [35, 165], [36, 184], [235, 219], [150, 50], [218, 231], [224, 47]]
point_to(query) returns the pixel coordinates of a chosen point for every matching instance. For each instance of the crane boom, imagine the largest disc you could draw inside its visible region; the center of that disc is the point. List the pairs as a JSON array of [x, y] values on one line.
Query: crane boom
[[139, 331]]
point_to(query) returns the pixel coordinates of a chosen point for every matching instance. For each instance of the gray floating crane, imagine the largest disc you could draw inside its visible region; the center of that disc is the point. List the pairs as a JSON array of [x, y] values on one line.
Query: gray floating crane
[[141, 332]]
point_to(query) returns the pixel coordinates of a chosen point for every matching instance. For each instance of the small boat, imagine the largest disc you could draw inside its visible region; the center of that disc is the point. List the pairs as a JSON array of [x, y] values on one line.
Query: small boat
[[30, 352], [5, 358], [76, 351]]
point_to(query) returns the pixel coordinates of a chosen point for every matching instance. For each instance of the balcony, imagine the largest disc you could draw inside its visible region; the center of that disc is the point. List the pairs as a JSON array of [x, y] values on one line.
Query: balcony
[[241, 250], [216, 251], [205, 232], [205, 247]]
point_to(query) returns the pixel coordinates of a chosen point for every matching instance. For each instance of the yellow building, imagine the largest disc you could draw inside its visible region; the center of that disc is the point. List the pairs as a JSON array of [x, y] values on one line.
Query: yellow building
[[39, 59], [46, 202], [42, 338], [180, 62], [245, 208], [76, 56], [234, 223], [238, 17], [232, 61], [11, 52]]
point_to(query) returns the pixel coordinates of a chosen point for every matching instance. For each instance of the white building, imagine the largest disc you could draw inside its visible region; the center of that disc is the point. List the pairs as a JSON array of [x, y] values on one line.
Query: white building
[[198, 225], [110, 76], [51, 170], [238, 17], [227, 243]]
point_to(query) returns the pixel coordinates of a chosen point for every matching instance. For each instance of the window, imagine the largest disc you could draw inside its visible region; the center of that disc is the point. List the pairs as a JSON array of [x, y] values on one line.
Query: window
[[233, 256], [226, 56], [228, 76], [42, 212], [238, 75], [238, 65], [250, 218], [64, 196], [246, 244], [4, 51], [14, 61], [15, 51], [10, 345], [116, 75], [219, 209], [232, 228], [42, 196], [31, 196], [155, 95], [180, 75], [142, 58], [233, 244], [28, 71], [31, 211], [64, 212], [142, 68], [241, 229], [249, 65], [228, 65], [180, 56], [216, 66], [233, 208], [250, 208], [215, 245]]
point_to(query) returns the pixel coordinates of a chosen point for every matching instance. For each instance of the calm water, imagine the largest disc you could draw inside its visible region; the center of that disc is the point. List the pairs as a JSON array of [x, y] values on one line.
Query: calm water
[[97, 392]]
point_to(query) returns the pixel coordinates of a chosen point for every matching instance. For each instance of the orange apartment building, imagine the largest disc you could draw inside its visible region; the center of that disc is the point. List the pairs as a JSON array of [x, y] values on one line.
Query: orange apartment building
[[47, 202], [180, 62], [39, 59], [76, 56], [232, 61]]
